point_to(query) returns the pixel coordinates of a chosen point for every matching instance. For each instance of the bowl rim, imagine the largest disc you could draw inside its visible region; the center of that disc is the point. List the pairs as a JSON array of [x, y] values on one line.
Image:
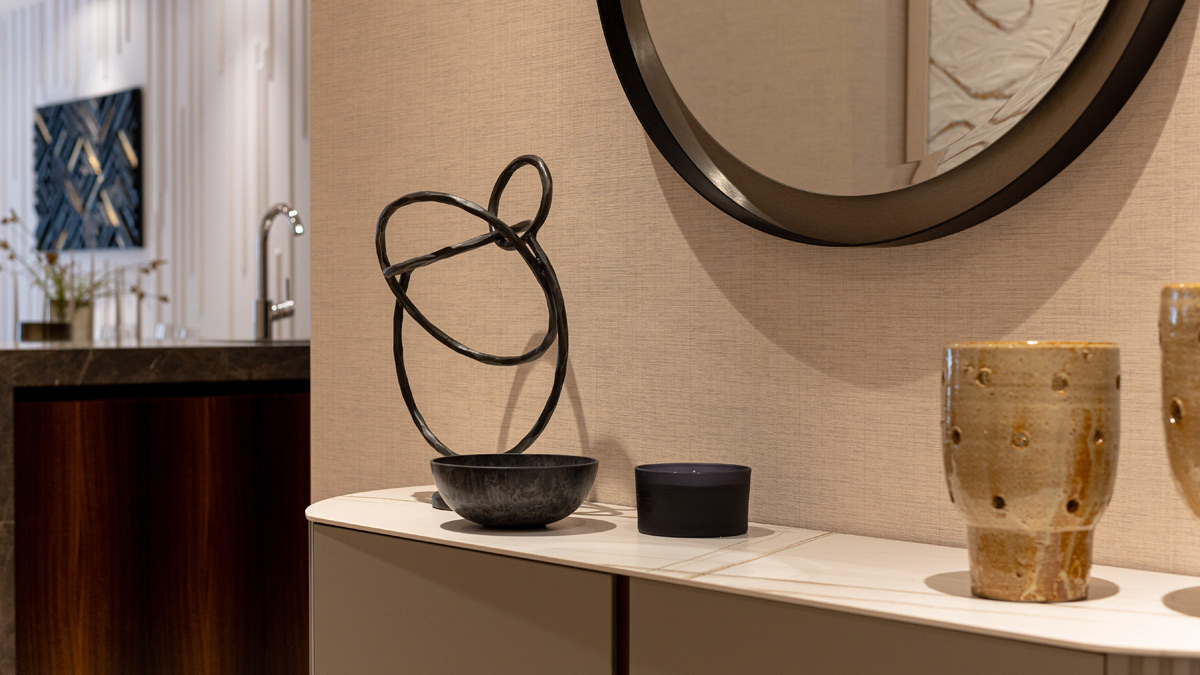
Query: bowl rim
[[447, 461]]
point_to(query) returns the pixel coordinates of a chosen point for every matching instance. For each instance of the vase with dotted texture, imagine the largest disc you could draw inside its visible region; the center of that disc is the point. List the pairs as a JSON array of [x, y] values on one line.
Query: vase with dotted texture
[[1179, 337], [1029, 443]]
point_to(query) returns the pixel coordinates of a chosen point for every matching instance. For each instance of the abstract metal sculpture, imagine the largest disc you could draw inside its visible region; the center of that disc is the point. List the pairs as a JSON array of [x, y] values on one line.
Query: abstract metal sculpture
[[521, 238]]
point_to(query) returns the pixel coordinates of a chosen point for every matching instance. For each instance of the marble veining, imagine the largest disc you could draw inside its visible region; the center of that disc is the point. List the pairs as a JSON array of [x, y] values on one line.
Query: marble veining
[[1129, 612]]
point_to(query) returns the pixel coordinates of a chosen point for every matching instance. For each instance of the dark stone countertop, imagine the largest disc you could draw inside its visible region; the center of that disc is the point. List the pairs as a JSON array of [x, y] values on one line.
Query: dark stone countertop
[[51, 365], [28, 365]]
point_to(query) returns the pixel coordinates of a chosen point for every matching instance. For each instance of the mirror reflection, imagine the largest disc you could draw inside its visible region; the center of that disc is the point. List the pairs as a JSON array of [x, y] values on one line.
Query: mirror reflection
[[858, 97]]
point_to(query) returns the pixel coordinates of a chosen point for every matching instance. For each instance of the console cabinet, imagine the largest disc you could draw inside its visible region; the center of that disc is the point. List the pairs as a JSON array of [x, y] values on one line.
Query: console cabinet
[[398, 587], [388, 605]]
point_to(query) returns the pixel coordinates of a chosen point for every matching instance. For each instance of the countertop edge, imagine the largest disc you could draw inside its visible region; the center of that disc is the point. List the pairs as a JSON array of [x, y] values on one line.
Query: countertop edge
[[65, 367]]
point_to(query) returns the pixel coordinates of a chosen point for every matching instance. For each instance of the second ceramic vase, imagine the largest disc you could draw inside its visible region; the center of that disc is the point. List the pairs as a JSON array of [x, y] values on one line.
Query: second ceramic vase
[[1030, 434], [1179, 336]]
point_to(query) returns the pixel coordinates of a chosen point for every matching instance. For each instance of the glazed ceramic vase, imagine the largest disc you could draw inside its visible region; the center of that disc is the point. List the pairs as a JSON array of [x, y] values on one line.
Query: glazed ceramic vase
[[1179, 336], [1030, 435]]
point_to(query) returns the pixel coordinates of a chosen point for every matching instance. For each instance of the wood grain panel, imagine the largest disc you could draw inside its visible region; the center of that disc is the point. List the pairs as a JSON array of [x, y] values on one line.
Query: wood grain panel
[[161, 535], [79, 532]]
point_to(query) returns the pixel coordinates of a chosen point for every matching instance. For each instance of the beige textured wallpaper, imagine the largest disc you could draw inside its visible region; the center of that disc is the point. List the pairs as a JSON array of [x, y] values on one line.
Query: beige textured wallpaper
[[694, 337]]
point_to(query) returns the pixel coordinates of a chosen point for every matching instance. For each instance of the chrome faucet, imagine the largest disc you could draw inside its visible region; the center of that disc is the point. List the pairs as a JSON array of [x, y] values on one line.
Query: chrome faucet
[[266, 312]]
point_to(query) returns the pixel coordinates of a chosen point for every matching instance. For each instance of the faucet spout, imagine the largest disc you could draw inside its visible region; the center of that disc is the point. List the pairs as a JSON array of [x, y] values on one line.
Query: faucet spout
[[266, 312]]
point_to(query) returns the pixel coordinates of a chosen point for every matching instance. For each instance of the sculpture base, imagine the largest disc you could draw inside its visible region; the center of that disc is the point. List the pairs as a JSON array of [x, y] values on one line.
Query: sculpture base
[[439, 503]]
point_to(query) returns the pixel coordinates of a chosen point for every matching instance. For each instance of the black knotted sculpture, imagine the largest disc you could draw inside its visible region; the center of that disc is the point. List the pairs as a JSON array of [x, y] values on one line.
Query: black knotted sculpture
[[521, 238]]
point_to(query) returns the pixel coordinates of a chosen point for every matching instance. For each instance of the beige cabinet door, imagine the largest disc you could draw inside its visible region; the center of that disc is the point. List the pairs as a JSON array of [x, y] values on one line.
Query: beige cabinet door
[[396, 606], [676, 630]]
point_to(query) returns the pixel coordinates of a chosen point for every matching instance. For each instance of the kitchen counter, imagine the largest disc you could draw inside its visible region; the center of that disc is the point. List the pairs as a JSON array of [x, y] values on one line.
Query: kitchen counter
[[55, 370], [1132, 615], [48, 364]]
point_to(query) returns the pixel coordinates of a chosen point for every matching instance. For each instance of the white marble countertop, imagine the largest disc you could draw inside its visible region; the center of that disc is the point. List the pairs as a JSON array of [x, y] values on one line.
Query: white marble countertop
[[1129, 611]]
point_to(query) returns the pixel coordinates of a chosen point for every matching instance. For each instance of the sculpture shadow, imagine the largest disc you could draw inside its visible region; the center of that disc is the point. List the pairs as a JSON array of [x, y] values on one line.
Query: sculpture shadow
[[570, 388], [894, 308], [959, 584], [616, 467]]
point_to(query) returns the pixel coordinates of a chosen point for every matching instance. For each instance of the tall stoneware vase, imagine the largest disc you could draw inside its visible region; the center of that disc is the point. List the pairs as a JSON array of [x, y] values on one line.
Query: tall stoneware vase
[[1030, 434]]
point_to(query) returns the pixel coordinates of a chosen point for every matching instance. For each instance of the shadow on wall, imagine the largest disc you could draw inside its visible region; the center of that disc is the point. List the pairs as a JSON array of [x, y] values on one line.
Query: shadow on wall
[[615, 463], [879, 317]]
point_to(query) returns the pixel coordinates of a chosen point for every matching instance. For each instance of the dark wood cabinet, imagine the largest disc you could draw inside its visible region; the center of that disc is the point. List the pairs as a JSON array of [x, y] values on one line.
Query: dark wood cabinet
[[162, 529]]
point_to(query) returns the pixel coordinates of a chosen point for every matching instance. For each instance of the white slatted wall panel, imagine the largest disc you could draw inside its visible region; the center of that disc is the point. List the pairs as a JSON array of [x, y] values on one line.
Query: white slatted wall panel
[[225, 134]]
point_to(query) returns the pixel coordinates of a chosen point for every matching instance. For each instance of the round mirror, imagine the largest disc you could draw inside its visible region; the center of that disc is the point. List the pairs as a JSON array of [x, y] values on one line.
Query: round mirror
[[856, 123]]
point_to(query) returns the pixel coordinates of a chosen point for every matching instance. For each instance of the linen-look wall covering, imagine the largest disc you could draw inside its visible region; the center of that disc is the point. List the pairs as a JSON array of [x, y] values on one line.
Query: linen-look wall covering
[[694, 337]]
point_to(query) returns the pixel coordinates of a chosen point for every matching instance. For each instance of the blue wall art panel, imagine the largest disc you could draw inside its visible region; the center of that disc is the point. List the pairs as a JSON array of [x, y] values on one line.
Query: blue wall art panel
[[87, 155]]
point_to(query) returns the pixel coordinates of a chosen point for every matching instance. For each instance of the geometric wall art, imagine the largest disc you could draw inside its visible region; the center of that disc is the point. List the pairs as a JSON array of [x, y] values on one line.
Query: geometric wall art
[[87, 155]]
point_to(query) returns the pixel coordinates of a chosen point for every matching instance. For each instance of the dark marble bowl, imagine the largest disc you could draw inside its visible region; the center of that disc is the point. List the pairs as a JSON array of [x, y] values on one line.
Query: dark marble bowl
[[514, 491]]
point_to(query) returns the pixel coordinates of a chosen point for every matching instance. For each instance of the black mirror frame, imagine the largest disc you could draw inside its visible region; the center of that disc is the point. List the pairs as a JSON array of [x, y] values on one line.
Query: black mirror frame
[[1109, 66]]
